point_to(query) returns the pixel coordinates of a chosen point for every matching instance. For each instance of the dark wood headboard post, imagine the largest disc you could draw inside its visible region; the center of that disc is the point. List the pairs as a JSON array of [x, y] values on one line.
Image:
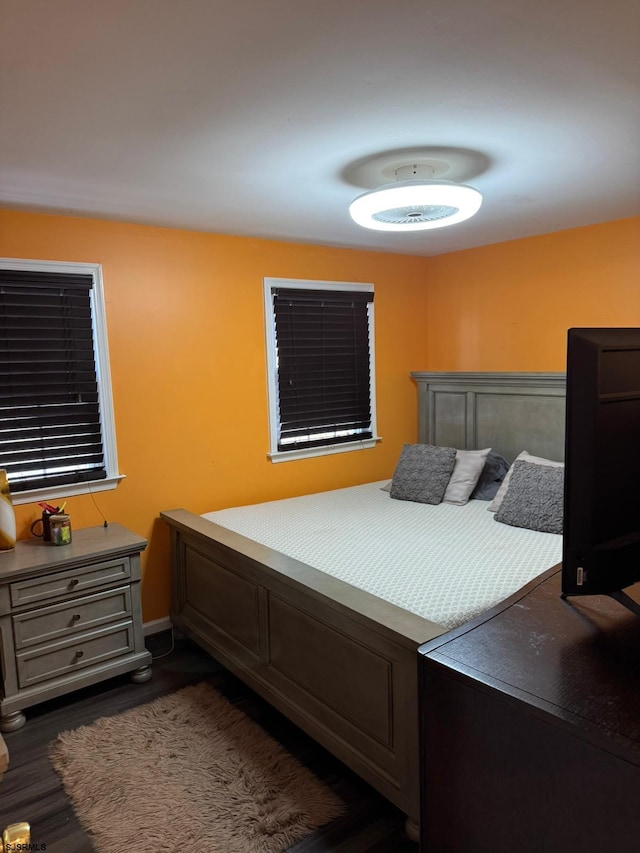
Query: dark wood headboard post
[[509, 412]]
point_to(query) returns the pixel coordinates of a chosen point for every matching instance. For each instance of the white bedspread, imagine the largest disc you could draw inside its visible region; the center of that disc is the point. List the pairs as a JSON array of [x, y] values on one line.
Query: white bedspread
[[445, 563]]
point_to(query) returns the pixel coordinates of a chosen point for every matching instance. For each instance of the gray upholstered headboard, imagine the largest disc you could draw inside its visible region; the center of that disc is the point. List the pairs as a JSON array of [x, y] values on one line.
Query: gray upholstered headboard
[[509, 412]]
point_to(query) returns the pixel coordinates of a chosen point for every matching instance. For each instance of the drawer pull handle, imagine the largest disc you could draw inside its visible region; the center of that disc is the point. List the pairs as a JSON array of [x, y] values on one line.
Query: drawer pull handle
[[74, 582], [79, 653], [76, 616]]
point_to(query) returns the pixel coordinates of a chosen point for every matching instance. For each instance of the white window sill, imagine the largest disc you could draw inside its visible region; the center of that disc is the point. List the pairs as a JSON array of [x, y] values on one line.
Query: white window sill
[[51, 495], [307, 453]]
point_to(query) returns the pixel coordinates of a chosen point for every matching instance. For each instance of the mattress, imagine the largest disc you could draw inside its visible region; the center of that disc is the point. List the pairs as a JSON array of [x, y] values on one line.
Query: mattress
[[445, 563]]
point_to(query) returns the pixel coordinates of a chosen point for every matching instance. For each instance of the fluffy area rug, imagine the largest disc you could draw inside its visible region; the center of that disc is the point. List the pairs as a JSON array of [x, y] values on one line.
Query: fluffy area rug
[[188, 772]]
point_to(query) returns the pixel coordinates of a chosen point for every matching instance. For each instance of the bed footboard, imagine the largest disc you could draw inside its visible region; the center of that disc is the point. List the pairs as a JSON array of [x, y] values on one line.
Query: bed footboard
[[338, 662]]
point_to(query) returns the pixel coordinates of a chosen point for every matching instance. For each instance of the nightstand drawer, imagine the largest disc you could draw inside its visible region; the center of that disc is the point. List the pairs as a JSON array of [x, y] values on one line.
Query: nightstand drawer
[[44, 663], [60, 620], [69, 582]]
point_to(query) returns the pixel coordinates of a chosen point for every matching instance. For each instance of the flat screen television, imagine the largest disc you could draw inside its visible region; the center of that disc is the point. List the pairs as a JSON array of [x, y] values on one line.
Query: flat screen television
[[601, 534]]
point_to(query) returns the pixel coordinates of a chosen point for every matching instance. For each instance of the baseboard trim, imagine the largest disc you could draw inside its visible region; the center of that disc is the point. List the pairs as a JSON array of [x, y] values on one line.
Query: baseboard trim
[[156, 626]]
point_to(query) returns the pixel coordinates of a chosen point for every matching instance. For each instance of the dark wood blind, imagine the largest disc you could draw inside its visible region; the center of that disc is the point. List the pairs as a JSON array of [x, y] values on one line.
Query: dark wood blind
[[50, 429], [324, 377]]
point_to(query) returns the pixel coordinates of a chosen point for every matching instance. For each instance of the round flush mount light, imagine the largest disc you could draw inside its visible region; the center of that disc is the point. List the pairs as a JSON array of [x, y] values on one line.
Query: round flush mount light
[[416, 201]]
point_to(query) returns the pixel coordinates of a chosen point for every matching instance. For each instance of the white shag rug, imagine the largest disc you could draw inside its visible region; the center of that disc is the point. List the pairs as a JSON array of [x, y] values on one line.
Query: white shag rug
[[191, 772]]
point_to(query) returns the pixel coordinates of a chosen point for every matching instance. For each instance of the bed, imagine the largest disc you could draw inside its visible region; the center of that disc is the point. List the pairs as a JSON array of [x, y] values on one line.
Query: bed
[[335, 648]]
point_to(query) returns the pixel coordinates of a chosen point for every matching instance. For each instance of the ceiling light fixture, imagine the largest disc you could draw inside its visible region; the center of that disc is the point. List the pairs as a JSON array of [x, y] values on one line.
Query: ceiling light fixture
[[415, 202]]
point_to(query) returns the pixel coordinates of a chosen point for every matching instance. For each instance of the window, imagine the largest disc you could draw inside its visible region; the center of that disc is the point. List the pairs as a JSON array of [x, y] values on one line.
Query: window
[[57, 435], [320, 360]]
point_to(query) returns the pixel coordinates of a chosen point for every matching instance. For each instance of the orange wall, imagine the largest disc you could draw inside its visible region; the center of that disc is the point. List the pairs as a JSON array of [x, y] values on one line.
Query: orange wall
[[508, 306], [186, 339]]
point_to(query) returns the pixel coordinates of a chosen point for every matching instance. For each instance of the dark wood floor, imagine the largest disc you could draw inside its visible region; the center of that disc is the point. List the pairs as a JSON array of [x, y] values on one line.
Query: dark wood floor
[[31, 790]]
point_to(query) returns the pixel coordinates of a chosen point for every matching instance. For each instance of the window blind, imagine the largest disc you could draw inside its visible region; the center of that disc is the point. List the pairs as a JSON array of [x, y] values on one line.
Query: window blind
[[324, 372], [50, 431]]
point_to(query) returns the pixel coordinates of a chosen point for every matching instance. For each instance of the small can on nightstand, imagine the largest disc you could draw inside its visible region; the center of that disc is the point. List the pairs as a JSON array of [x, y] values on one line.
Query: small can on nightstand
[[60, 527]]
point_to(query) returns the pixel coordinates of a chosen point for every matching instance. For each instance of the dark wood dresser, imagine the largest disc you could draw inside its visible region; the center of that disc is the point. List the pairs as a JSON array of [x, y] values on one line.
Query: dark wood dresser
[[530, 728]]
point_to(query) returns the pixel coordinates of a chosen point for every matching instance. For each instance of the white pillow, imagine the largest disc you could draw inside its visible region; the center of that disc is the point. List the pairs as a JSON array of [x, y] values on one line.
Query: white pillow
[[495, 504], [465, 475]]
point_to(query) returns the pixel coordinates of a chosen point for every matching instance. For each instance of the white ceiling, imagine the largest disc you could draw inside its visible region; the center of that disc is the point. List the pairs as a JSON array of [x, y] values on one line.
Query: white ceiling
[[258, 117]]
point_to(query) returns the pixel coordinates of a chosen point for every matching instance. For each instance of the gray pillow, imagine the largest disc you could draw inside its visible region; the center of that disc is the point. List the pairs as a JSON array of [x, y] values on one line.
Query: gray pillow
[[493, 473], [534, 499], [494, 506], [422, 473]]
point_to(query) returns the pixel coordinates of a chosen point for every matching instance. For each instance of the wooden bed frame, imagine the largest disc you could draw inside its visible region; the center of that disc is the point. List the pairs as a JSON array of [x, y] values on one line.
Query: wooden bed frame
[[339, 662]]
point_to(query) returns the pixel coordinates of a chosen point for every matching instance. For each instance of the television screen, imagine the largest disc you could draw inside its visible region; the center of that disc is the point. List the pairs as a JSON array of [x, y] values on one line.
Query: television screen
[[601, 542]]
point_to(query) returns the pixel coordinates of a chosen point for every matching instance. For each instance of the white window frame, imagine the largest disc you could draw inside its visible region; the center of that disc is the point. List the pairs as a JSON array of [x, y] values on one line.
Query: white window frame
[[274, 454], [103, 373]]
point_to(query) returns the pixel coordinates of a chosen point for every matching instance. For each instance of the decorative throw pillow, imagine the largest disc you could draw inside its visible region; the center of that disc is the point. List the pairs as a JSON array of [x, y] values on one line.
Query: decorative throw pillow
[[422, 473], [494, 506], [493, 473], [535, 498], [466, 471]]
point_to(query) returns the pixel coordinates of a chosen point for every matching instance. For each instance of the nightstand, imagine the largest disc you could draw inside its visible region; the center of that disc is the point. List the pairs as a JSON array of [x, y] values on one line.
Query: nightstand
[[4, 757], [70, 616]]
